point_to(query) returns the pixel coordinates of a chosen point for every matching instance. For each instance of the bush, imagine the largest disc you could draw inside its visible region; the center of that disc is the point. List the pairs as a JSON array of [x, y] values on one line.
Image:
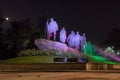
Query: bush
[[110, 50], [34, 52], [90, 49]]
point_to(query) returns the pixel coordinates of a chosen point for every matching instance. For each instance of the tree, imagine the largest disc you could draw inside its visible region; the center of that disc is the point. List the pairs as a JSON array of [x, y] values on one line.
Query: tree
[[2, 39], [1, 30], [1, 18], [113, 39], [19, 36], [40, 30]]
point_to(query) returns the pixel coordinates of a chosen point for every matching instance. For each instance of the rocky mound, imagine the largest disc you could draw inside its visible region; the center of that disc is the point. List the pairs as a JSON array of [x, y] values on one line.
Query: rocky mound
[[53, 45]]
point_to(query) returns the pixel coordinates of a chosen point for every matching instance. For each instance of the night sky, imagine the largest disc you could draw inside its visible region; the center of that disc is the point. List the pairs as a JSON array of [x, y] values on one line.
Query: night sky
[[96, 19]]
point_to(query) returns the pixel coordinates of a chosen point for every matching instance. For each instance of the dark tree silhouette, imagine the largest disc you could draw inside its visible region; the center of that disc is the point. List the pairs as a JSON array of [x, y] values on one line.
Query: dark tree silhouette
[[19, 36], [2, 39], [41, 27], [1, 18], [38, 32], [113, 39]]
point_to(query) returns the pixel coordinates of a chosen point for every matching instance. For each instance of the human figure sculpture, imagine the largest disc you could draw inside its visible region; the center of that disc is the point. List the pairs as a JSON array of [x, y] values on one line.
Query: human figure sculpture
[[83, 41], [63, 35], [77, 41], [71, 39], [52, 27]]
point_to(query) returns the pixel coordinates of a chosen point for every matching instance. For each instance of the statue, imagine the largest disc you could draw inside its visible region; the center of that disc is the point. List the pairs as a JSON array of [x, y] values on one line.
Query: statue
[[83, 41], [77, 41], [52, 27], [63, 35], [71, 39]]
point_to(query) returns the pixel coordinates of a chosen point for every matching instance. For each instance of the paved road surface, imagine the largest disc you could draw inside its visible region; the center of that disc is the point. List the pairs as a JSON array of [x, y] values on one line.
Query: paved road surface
[[58, 76]]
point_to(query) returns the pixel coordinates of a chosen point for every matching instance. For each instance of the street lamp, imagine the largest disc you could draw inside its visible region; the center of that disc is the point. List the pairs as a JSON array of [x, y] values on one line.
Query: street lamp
[[7, 18]]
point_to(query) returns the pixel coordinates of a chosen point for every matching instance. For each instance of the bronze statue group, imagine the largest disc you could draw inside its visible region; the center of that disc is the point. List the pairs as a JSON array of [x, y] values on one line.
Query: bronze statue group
[[74, 40]]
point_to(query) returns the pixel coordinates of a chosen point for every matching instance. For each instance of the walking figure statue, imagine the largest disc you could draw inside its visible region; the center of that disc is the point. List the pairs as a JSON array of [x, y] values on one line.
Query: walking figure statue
[[63, 35], [71, 39], [83, 41], [77, 41], [52, 27]]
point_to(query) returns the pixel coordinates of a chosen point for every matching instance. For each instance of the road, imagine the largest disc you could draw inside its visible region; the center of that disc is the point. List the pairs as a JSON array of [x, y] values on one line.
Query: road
[[58, 76]]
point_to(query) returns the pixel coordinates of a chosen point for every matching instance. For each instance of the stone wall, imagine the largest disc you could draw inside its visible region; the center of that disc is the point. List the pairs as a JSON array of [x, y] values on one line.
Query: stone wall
[[59, 67]]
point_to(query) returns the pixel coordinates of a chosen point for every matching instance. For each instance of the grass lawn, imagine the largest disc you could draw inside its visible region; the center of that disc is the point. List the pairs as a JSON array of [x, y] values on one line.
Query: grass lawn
[[49, 59], [29, 59]]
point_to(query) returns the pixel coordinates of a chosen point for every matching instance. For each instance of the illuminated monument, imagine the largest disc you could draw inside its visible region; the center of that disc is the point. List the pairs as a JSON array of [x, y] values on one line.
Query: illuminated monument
[[75, 41]]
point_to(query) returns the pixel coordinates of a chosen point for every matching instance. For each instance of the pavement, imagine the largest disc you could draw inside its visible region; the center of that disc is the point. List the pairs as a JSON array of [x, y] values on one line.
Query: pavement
[[59, 75], [85, 71]]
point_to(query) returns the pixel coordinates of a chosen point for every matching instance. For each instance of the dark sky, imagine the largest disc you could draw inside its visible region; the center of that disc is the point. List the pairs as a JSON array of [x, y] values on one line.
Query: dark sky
[[94, 18]]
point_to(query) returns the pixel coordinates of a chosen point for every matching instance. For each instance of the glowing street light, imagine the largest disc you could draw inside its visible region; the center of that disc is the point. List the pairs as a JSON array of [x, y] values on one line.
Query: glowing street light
[[7, 18]]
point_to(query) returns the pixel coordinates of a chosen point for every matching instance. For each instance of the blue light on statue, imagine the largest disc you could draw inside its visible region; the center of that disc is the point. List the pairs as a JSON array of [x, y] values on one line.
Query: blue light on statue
[[77, 41], [63, 35], [71, 39], [52, 27]]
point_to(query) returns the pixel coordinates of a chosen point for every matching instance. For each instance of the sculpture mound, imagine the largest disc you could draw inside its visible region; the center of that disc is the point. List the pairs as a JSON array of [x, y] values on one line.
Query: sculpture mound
[[53, 45]]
